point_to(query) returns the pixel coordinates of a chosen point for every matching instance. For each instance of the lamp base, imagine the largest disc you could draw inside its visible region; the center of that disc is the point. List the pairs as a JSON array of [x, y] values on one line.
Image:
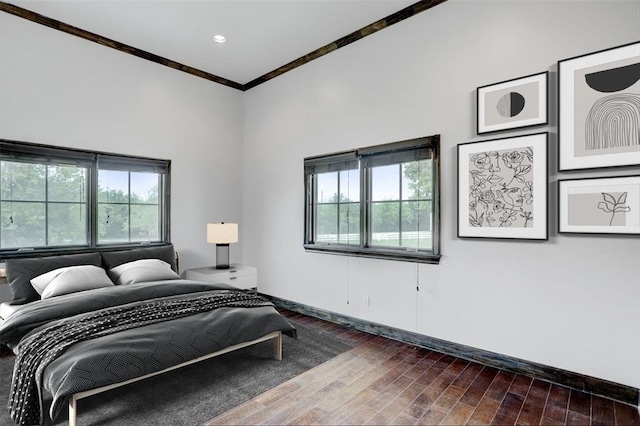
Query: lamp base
[[222, 256]]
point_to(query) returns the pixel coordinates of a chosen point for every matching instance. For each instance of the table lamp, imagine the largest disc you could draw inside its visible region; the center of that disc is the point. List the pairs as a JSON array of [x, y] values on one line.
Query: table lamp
[[222, 234]]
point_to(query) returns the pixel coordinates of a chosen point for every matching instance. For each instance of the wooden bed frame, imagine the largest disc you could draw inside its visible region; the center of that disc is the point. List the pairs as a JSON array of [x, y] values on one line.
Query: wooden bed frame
[[276, 336]]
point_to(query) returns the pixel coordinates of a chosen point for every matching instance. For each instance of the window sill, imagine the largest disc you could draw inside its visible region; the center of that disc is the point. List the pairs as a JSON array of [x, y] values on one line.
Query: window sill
[[402, 256]]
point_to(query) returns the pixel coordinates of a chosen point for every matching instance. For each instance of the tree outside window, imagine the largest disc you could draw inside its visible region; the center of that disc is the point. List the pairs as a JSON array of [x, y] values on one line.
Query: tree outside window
[[378, 201], [61, 199]]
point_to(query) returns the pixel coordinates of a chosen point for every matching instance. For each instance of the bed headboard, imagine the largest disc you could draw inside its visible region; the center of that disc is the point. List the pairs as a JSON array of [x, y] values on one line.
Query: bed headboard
[[21, 271]]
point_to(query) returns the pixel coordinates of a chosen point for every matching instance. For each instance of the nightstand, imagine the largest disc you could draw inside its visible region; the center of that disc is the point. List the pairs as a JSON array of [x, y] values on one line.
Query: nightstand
[[241, 276]]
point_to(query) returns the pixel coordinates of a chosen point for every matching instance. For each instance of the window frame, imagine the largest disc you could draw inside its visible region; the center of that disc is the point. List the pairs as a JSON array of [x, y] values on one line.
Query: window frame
[[52, 155], [338, 162]]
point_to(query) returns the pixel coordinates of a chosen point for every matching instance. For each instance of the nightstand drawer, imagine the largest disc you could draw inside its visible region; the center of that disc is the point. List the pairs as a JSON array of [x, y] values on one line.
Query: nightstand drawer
[[243, 281]]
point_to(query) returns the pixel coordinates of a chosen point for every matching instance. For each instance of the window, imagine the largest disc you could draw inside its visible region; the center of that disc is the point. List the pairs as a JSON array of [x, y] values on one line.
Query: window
[[43, 204], [57, 199], [380, 201], [129, 201]]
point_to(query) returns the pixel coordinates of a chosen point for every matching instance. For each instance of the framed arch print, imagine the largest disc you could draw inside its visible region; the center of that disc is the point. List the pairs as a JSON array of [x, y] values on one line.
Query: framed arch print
[[599, 109], [512, 104], [502, 188]]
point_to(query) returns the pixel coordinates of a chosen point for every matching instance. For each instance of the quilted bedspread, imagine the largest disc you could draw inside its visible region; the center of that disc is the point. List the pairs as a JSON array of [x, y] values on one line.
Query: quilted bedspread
[[80, 342]]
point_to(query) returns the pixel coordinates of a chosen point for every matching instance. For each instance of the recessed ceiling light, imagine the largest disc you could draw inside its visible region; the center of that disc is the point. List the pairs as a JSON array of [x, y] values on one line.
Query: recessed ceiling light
[[218, 38]]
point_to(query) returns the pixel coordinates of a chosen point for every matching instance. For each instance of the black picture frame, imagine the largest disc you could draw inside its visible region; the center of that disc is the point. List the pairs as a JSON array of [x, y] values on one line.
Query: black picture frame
[[513, 104], [599, 205], [503, 188], [599, 109]]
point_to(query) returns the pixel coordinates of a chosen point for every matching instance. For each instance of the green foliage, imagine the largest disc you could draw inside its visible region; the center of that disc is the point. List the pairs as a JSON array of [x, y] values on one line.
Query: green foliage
[[67, 183], [419, 176], [385, 217], [412, 213], [131, 215], [48, 205], [22, 181], [22, 225]]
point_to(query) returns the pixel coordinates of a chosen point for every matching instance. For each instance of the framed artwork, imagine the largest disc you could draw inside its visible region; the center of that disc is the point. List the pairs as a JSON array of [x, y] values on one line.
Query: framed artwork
[[521, 102], [599, 205], [502, 188], [599, 109]]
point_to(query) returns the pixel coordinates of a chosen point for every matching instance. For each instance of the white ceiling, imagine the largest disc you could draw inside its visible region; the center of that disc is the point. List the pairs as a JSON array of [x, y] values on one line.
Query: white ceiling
[[262, 35]]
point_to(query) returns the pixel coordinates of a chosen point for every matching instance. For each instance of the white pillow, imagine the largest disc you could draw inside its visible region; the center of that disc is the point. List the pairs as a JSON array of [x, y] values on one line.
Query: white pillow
[[70, 280], [141, 271]]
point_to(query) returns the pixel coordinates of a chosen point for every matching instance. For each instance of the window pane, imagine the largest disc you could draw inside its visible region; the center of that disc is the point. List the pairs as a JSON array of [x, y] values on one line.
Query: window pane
[[349, 185], [67, 183], [327, 223], [23, 181], [113, 186], [113, 223], [67, 224], [350, 224], [23, 225], [385, 224], [385, 183], [144, 188], [416, 225], [327, 187], [144, 223], [417, 180]]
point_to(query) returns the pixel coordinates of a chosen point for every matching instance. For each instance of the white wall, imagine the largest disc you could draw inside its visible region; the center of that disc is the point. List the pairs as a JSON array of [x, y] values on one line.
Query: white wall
[[572, 302], [61, 90]]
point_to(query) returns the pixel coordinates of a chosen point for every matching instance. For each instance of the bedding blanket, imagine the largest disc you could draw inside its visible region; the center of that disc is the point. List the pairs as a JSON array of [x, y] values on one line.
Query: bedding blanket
[[72, 347]]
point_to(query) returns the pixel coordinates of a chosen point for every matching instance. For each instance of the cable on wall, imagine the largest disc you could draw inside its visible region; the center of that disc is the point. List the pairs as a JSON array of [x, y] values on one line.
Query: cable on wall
[[348, 278]]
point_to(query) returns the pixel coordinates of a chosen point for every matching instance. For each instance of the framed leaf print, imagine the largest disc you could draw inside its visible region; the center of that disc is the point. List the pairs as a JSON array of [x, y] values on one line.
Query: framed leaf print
[[599, 205], [502, 188], [599, 109], [517, 103]]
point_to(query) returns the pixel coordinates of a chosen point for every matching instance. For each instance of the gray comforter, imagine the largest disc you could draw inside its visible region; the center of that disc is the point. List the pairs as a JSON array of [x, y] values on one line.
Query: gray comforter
[[135, 352]]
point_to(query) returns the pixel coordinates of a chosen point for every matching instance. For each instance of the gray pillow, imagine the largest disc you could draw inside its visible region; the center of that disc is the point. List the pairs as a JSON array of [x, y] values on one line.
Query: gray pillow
[[70, 279], [111, 259], [142, 271], [20, 272]]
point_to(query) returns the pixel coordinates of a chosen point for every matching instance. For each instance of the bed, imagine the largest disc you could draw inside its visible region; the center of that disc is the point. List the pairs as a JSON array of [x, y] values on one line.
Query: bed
[[86, 323]]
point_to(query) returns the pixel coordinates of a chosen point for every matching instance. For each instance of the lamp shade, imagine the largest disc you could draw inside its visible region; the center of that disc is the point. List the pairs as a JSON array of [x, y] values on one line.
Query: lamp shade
[[222, 233]]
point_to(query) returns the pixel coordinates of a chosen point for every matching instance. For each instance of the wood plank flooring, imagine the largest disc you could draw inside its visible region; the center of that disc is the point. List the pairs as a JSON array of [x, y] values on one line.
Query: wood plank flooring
[[381, 381]]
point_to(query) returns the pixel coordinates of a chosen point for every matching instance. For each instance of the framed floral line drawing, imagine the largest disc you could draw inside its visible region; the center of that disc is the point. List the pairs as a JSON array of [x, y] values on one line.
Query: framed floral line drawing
[[599, 205], [599, 109], [511, 104], [502, 188]]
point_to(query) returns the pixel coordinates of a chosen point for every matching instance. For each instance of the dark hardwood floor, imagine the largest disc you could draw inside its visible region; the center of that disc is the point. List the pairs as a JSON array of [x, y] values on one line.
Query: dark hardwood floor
[[381, 381]]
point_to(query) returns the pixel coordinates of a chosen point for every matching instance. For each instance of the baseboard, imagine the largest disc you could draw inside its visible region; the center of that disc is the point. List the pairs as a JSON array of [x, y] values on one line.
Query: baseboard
[[622, 393]]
